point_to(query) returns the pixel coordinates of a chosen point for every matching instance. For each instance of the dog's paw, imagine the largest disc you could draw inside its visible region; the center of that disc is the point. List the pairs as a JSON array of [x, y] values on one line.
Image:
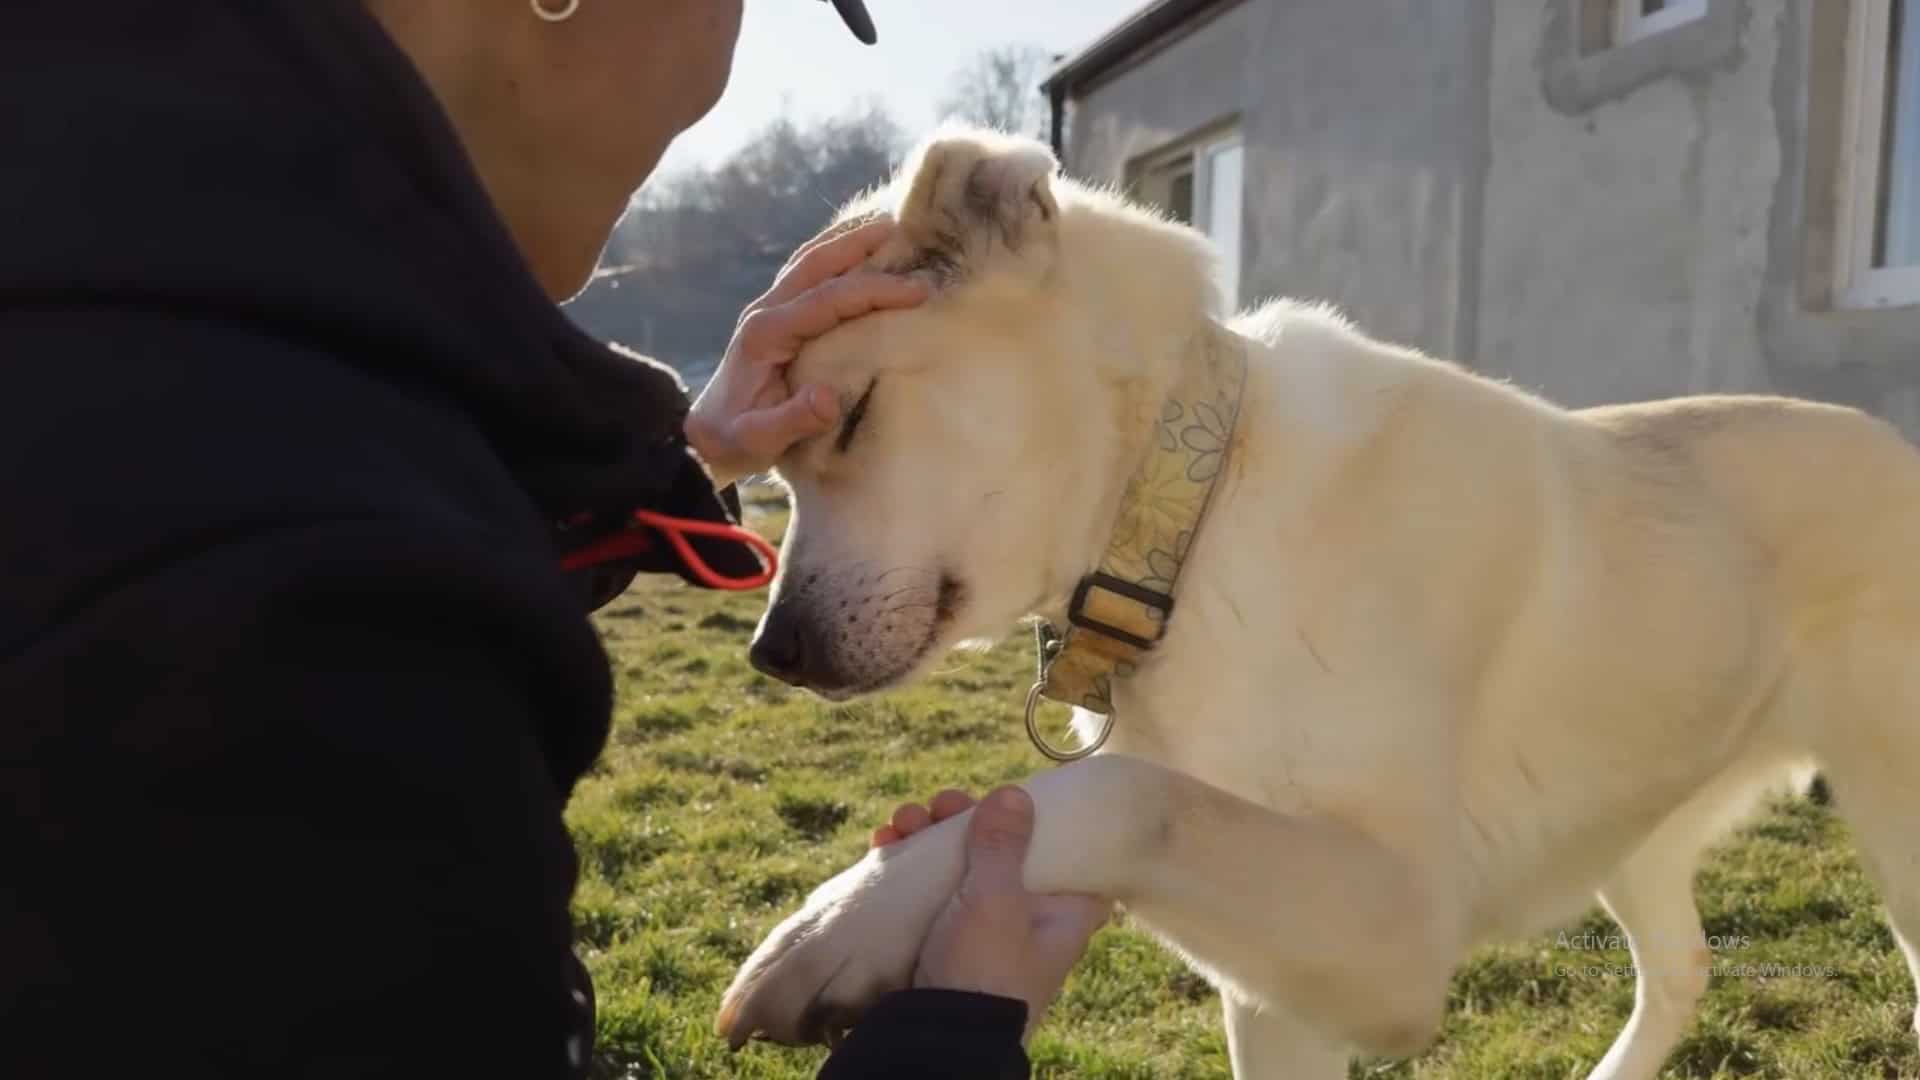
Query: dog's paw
[[856, 938]]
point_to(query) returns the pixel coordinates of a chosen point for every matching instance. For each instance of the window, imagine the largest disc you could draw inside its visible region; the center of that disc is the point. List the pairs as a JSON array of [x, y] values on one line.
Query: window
[[1637, 19], [1596, 51], [1202, 183], [1178, 180], [1877, 228], [1225, 178]]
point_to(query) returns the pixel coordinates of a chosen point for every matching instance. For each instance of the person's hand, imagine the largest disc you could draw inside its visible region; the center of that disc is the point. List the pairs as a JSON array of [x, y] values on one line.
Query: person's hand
[[994, 937], [748, 415], [910, 818]]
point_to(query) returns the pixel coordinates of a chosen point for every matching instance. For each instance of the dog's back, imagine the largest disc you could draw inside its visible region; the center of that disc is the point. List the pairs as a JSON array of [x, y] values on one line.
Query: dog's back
[[1832, 494]]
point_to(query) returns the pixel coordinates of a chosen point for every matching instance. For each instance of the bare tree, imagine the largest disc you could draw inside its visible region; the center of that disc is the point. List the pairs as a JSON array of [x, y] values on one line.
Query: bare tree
[[1000, 88], [698, 246]]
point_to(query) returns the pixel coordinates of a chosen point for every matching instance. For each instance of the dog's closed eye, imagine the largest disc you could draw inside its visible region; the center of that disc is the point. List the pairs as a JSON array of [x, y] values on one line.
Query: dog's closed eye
[[854, 416]]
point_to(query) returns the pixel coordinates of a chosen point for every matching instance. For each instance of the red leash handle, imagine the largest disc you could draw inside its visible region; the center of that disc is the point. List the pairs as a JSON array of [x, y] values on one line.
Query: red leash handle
[[632, 542]]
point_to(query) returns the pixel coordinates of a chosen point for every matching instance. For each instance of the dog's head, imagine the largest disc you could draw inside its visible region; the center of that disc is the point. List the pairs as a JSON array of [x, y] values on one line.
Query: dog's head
[[982, 433]]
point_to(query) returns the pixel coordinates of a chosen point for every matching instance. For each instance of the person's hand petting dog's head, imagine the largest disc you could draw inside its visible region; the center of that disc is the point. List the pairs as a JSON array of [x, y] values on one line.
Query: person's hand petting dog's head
[[749, 415]]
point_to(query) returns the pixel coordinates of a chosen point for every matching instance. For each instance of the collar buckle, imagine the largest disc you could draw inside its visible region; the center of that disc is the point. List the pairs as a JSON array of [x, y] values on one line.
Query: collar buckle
[[1158, 604]]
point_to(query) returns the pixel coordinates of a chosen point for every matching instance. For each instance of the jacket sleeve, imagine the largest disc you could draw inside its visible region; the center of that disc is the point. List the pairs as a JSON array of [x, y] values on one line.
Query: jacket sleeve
[[292, 799], [936, 1035]]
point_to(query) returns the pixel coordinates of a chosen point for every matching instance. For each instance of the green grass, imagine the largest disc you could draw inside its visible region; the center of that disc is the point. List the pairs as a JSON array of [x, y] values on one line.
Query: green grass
[[724, 797]]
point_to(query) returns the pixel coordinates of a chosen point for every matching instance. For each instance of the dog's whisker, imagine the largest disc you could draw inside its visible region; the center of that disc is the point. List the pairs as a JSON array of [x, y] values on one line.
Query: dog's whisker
[[908, 607]]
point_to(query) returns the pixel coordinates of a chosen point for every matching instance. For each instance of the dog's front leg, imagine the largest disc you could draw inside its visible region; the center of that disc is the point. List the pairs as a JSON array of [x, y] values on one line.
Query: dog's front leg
[[1303, 913], [1269, 1042]]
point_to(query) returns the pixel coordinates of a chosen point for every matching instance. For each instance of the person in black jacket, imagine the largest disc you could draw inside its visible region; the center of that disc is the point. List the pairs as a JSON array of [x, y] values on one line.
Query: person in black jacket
[[293, 439]]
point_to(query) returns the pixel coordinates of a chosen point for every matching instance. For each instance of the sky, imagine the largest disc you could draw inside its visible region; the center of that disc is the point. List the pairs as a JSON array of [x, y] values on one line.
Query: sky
[[797, 55]]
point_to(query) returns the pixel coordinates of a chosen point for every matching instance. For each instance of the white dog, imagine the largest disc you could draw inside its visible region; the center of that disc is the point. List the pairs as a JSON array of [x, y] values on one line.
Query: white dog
[[1447, 660]]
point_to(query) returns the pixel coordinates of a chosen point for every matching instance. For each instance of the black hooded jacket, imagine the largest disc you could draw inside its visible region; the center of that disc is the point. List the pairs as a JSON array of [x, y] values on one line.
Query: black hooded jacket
[[292, 691]]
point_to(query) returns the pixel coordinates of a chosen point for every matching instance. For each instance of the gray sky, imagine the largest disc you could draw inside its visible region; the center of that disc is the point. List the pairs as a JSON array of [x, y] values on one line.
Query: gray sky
[[796, 54]]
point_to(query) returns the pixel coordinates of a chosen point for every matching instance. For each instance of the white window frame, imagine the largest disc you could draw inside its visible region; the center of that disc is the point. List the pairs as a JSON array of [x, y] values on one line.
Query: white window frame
[[1857, 282], [1203, 210], [1200, 153], [1631, 22]]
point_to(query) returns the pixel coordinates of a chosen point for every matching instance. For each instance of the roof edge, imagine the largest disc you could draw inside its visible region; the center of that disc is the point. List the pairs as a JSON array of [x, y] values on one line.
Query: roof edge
[[1142, 29]]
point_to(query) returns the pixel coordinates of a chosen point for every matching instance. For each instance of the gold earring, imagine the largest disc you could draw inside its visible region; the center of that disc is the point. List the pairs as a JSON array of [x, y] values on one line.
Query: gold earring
[[561, 15]]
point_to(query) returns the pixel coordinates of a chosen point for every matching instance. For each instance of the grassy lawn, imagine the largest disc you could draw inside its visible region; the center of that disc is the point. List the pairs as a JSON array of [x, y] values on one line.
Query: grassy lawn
[[724, 797]]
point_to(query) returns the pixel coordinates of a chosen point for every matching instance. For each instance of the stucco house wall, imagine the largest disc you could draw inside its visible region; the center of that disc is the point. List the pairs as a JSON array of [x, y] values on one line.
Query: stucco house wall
[[1479, 179]]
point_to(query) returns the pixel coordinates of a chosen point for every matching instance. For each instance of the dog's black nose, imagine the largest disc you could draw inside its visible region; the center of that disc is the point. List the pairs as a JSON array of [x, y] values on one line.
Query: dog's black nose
[[780, 649]]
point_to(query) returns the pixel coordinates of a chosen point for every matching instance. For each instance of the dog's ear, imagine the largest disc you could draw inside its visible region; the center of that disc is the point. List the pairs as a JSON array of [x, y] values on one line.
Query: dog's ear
[[972, 190]]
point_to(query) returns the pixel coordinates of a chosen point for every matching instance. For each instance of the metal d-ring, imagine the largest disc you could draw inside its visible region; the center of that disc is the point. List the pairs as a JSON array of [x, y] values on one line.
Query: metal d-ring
[[567, 11], [1041, 744]]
